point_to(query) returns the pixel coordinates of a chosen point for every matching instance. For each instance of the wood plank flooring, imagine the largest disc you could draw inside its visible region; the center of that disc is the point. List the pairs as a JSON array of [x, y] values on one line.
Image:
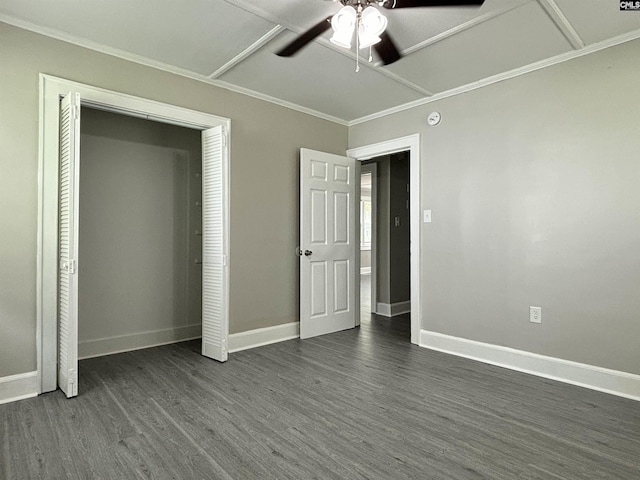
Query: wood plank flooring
[[360, 404]]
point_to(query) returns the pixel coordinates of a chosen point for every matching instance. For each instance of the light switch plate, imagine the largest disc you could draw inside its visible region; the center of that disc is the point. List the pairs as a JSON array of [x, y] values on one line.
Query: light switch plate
[[427, 216]]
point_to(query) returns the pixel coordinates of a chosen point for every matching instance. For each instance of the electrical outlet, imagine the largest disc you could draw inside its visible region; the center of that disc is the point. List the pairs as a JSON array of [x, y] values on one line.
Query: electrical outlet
[[535, 314]]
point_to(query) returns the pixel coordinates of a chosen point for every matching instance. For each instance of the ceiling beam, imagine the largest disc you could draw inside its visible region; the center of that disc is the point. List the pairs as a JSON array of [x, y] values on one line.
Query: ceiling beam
[[562, 22], [247, 52], [259, 12], [460, 28], [375, 66], [389, 74]]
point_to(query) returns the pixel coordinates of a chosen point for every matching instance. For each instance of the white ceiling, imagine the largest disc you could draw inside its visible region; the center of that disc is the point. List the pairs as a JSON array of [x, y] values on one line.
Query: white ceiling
[[232, 43]]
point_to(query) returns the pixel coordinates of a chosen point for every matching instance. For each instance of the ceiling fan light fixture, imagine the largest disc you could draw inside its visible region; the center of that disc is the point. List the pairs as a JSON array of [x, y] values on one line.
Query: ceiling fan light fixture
[[343, 24], [342, 39], [345, 20], [366, 40], [373, 22], [371, 27]]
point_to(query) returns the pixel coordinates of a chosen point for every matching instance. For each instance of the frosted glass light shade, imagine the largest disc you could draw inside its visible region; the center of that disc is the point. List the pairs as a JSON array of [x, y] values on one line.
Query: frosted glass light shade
[[372, 24], [342, 39], [365, 39], [343, 24]]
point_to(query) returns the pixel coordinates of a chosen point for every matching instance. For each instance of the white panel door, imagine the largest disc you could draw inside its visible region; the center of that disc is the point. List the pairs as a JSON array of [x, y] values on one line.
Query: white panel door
[[68, 244], [215, 310], [328, 249]]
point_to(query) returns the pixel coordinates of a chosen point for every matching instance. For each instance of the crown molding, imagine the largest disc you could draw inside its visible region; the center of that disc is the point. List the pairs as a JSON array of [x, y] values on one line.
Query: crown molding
[[280, 102], [517, 72], [147, 62]]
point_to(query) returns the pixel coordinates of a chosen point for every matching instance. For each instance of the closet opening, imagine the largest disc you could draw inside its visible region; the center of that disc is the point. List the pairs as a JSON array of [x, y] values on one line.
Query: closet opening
[[140, 233], [156, 256]]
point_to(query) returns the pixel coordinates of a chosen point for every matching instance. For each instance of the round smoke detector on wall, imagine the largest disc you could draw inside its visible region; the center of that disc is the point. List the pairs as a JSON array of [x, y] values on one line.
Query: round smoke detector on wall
[[434, 119]]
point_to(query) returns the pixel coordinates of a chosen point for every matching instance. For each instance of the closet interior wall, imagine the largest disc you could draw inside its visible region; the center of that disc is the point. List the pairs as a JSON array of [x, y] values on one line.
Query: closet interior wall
[[140, 241]]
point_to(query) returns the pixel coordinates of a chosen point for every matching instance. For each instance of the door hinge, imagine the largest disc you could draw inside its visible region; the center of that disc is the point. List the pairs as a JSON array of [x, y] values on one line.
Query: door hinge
[[72, 266], [224, 260]]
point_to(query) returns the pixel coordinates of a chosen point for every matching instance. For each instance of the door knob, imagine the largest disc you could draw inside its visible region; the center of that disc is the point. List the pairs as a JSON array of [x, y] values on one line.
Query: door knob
[[307, 253]]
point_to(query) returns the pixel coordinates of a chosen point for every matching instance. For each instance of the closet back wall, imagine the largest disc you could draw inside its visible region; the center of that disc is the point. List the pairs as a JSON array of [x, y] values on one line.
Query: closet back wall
[[139, 284]]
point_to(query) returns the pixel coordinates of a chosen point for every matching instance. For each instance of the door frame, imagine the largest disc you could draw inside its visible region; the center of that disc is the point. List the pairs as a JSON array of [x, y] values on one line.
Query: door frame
[[372, 168], [409, 143], [51, 90]]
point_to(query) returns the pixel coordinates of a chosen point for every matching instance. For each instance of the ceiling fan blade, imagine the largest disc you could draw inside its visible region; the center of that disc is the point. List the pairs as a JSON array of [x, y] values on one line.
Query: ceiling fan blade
[[391, 4], [386, 49], [305, 38]]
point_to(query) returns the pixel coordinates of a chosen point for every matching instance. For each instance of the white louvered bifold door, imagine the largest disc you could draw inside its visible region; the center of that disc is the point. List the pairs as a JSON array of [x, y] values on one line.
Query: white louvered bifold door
[[215, 325], [68, 245]]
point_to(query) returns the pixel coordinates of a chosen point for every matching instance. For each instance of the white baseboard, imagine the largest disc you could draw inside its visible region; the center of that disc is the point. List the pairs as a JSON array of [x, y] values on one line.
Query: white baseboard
[[263, 336], [137, 341], [605, 380], [365, 270], [18, 387], [393, 309]]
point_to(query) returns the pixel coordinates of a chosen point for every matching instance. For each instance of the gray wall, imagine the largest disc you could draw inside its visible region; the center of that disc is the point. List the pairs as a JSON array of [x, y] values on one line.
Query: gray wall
[[265, 142], [533, 184], [138, 218]]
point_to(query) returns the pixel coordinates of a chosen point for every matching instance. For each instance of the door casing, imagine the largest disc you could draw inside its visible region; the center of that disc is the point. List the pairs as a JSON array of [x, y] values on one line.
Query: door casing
[[409, 143], [51, 90], [372, 169]]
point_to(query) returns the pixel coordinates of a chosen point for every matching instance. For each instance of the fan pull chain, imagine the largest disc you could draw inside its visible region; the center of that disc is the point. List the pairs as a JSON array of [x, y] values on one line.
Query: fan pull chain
[[358, 47], [370, 56]]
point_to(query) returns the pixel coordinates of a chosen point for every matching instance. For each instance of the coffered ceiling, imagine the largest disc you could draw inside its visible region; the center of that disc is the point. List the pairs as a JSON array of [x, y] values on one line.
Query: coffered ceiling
[[231, 43]]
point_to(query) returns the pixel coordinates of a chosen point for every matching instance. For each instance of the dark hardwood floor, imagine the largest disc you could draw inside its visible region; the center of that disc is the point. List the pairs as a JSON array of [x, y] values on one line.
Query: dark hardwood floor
[[360, 404]]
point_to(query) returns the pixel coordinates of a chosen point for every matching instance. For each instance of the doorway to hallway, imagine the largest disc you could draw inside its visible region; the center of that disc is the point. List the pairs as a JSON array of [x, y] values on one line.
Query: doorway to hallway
[[385, 221]]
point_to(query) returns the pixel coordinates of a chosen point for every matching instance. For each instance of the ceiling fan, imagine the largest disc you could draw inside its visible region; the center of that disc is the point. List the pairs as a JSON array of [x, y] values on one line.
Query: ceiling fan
[[363, 16]]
